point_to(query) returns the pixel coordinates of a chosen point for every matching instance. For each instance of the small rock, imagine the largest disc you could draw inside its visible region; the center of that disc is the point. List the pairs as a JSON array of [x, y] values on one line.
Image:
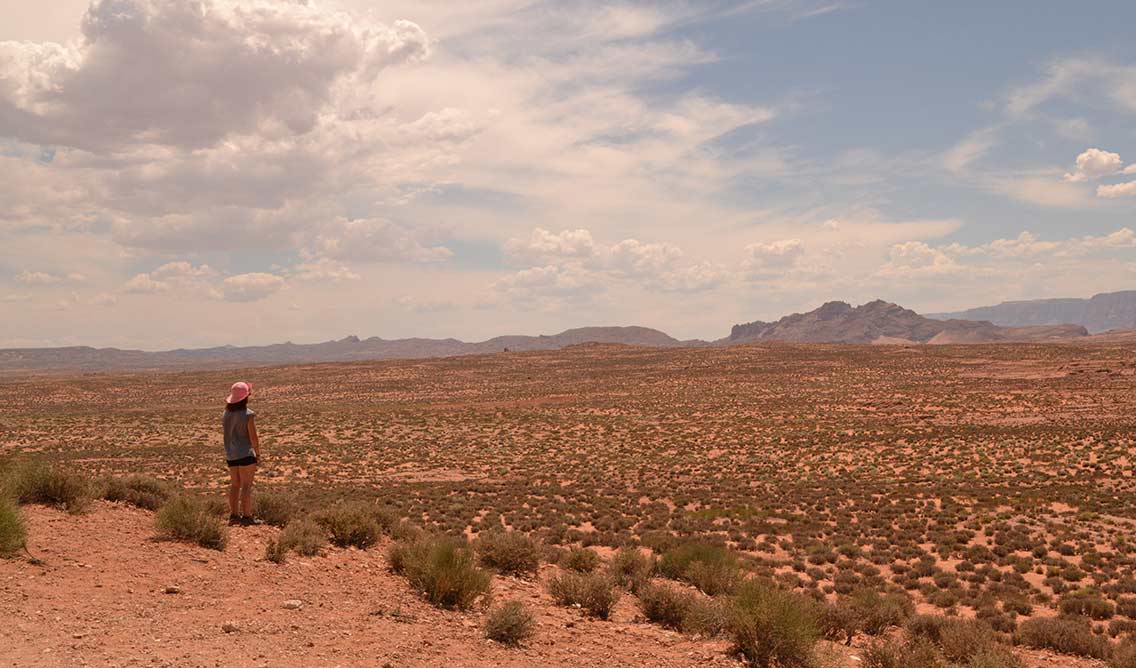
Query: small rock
[[294, 604], [230, 627], [78, 635], [172, 589]]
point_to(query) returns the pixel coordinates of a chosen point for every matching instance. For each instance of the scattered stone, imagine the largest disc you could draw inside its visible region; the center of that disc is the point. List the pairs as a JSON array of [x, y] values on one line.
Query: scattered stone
[[78, 635], [293, 604], [172, 589], [230, 627]]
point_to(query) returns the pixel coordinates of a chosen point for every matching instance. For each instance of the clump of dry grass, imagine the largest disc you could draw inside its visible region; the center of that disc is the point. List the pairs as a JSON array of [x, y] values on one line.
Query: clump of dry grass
[[36, 482], [773, 627], [137, 490], [631, 569], [352, 524], [581, 560], [188, 519], [510, 623], [594, 593], [1066, 635], [13, 534], [302, 536], [442, 569], [711, 568], [509, 552], [665, 604], [275, 508]]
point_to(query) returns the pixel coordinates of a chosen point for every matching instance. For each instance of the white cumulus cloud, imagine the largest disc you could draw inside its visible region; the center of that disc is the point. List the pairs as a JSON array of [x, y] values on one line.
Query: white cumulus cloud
[[1117, 190], [252, 286], [1094, 164], [190, 73]]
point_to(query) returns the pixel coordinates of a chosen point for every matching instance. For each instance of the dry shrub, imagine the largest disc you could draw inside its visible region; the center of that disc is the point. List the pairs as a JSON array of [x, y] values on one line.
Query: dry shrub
[[707, 617], [36, 482], [710, 568], [993, 656], [13, 534], [631, 569], [511, 623], [354, 524], [915, 653], [442, 569], [302, 536], [581, 560], [275, 508], [1124, 655], [1065, 635], [596, 594], [1087, 603], [839, 622], [960, 639], [665, 605], [187, 519], [138, 490], [509, 552], [875, 613], [773, 627]]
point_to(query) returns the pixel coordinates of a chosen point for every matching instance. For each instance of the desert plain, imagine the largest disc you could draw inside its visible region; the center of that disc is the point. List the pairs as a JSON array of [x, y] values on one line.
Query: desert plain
[[985, 481]]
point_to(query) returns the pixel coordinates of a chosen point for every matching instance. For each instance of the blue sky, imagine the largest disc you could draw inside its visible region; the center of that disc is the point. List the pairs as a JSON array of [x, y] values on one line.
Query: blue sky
[[430, 168]]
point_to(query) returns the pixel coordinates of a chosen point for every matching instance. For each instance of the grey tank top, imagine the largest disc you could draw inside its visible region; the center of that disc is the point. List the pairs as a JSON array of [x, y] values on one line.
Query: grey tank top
[[238, 445]]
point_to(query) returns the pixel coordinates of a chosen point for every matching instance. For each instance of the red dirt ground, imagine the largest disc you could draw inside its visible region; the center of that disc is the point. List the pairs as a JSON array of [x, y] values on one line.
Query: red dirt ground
[[99, 599]]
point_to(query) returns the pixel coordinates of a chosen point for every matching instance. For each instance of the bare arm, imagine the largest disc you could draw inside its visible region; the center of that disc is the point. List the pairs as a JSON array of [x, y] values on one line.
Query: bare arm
[[252, 435]]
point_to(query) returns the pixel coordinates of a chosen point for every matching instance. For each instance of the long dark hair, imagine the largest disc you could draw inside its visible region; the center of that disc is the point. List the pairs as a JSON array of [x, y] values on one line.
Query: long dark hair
[[239, 406]]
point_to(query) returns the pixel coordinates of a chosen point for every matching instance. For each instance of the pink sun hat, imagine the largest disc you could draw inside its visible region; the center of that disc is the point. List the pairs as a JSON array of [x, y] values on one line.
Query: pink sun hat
[[239, 392]]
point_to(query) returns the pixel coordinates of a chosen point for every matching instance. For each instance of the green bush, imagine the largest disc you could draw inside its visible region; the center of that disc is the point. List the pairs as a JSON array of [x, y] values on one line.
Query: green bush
[[509, 552], [773, 627], [596, 594], [665, 605], [631, 569], [581, 560], [302, 536], [188, 519], [1065, 635], [137, 490], [354, 524], [442, 569], [35, 482], [275, 508], [511, 623], [710, 568], [13, 535]]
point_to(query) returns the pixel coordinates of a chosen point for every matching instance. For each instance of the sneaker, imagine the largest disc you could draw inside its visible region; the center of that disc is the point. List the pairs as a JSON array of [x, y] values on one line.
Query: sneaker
[[234, 520], [251, 521]]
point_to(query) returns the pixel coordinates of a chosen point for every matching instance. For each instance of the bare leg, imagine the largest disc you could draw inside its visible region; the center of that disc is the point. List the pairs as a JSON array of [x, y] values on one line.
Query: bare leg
[[246, 473], [234, 490]]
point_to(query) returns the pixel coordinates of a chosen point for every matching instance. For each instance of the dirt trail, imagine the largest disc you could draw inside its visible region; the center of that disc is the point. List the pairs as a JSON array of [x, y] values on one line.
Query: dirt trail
[[100, 600]]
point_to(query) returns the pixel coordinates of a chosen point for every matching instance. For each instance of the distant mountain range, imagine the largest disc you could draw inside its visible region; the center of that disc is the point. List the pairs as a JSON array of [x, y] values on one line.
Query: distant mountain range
[[1099, 313], [351, 348], [881, 322], [876, 322]]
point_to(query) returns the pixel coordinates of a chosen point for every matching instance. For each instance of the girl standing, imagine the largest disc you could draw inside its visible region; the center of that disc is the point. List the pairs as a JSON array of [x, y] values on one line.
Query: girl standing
[[241, 445]]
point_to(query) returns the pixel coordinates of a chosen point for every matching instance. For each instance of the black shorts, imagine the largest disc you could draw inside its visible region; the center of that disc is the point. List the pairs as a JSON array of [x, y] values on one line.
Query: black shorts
[[243, 461]]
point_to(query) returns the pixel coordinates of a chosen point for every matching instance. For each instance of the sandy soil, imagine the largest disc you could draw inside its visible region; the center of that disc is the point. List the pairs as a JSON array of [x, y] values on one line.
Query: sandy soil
[[108, 594], [99, 600]]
